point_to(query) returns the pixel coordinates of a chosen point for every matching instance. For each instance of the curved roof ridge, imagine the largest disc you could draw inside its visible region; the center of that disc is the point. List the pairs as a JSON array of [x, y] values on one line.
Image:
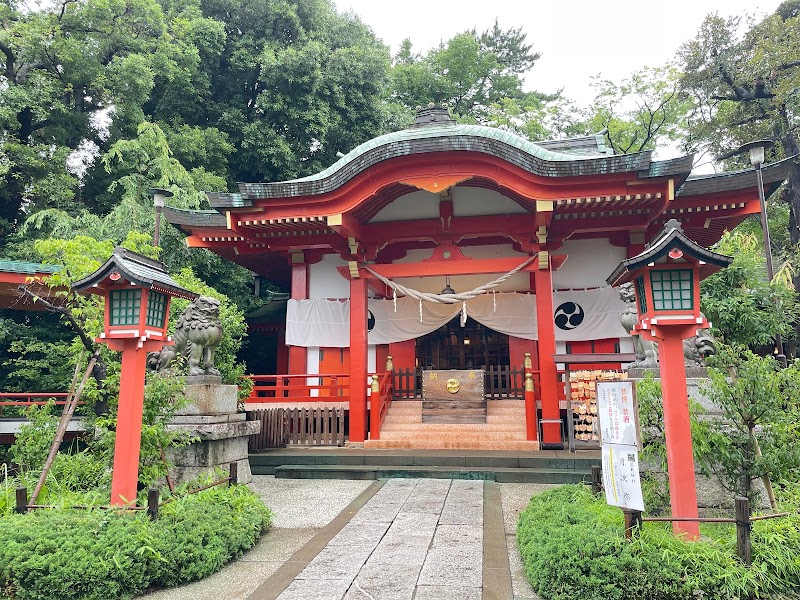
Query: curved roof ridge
[[447, 130]]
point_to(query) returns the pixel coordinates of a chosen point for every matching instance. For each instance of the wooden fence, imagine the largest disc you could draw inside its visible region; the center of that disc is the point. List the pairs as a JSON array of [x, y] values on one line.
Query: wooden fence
[[503, 381], [322, 426]]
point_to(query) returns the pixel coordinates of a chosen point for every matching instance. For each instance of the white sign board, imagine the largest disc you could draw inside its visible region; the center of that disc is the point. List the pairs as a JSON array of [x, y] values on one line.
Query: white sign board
[[621, 476], [616, 412]]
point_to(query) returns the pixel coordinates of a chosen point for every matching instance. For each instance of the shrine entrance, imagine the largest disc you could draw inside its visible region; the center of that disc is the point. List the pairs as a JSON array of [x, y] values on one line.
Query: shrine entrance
[[452, 346]]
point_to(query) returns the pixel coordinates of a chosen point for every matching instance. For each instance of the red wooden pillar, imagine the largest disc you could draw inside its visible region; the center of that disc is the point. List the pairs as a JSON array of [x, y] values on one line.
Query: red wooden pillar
[[358, 360], [677, 430], [282, 355], [551, 432], [517, 348], [125, 474], [298, 362]]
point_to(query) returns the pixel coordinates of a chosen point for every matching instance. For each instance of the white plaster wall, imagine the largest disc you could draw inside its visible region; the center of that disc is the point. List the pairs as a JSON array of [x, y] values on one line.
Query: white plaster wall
[[588, 264], [467, 202], [312, 367], [472, 201], [325, 281], [371, 358], [416, 205]]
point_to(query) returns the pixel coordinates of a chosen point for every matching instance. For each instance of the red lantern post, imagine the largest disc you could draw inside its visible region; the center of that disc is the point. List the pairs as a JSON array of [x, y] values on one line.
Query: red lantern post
[[666, 277], [137, 292]]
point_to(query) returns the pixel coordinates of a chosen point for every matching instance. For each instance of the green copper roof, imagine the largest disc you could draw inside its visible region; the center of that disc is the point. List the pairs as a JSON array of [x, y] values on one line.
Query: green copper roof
[[27, 268], [432, 137], [444, 130]]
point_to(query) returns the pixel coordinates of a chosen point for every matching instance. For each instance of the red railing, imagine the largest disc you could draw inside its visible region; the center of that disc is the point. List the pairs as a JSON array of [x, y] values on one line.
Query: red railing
[[26, 399], [380, 401], [300, 388]]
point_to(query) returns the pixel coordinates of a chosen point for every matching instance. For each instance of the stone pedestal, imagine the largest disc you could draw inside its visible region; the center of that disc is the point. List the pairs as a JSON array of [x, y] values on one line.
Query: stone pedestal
[[222, 433]]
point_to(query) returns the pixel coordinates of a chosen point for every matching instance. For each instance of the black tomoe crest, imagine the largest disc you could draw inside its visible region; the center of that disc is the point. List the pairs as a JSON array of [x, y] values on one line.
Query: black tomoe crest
[[569, 315]]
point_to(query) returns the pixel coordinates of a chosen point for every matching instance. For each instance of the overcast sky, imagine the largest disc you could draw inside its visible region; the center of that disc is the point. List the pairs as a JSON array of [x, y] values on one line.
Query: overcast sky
[[577, 38]]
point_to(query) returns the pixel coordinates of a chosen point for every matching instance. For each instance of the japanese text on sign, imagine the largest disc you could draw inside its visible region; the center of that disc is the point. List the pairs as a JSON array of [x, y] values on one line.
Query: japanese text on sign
[[621, 477], [615, 409]]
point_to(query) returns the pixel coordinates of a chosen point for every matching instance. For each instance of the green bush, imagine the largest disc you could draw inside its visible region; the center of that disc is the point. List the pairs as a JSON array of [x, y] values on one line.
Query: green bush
[[572, 546], [102, 554]]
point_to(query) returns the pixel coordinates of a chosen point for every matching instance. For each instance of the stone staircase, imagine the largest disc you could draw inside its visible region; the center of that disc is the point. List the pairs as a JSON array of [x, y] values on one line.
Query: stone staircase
[[504, 429], [554, 467]]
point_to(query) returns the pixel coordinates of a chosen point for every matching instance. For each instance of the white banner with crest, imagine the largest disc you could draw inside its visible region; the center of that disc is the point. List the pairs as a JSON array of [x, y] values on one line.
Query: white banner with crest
[[578, 316]]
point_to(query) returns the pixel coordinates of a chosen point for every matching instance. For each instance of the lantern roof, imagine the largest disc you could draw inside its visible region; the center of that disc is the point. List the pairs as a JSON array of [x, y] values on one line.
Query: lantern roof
[[668, 241], [139, 270]]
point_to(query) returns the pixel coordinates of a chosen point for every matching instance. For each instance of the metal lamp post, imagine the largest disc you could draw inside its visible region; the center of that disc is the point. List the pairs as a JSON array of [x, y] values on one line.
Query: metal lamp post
[[158, 195], [756, 151]]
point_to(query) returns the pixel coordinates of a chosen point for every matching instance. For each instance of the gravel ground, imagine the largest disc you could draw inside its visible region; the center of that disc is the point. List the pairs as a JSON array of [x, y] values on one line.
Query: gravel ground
[[300, 503], [300, 508], [515, 497]]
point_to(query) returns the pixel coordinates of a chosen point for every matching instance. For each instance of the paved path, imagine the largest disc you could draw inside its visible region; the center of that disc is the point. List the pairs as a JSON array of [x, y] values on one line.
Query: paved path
[[414, 535], [419, 539]]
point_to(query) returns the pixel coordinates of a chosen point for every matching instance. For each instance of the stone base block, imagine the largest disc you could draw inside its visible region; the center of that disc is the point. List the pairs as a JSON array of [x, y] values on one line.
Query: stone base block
[[207, 419], [187, 473], [217, 431], [207, 453], [210, 399]]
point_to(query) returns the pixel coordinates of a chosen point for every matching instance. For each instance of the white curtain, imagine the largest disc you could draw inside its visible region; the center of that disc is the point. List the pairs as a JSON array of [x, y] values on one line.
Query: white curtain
[[585, 315]]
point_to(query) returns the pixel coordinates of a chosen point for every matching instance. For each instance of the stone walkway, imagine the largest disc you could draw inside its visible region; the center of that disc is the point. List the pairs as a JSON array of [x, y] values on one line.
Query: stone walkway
[[420, 539], [414, 535]]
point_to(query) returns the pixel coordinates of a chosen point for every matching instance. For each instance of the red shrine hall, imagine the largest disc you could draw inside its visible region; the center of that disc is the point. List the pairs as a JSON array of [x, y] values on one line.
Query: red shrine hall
[[451, 263]]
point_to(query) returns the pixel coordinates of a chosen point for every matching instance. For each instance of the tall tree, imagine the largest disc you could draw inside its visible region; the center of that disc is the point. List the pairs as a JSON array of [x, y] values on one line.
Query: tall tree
[[640, 111], [76, 76], [474, 74], [744, 76], [288, 85]]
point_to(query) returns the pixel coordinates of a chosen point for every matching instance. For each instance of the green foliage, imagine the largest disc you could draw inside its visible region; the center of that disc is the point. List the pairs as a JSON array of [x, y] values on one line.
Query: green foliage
[[474, 74], [233, 325], [738, 300], [655, 484], [640, 112], [163, 396], [100, 554], [572, 546], [744, 76], [33, 441], [759, 402], [28, 342]]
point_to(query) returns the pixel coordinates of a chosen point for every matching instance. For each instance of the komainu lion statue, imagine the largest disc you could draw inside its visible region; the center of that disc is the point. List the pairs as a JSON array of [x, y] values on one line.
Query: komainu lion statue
[[197, 335], [646, 351], [698, 348], [695, 349]]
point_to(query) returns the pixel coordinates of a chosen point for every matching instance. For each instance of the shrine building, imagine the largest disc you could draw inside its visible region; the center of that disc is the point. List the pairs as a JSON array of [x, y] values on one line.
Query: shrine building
[[456, 250]]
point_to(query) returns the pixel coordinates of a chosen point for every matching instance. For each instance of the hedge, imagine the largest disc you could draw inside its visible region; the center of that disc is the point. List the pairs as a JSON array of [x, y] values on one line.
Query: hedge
[[572, 546], [103, 554]]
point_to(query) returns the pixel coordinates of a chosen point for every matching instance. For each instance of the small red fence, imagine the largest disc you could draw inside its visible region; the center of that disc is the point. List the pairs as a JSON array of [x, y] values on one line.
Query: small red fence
[[300, 388], [26, 399]]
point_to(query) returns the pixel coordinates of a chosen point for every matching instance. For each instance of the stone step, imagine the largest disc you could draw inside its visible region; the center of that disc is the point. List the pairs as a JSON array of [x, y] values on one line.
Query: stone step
[[452, 444], [490, 425], [265, 462], [499, 474]]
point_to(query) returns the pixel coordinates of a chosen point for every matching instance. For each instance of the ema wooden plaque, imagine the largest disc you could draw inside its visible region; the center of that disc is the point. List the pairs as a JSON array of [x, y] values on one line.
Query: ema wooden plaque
[[453, 397]]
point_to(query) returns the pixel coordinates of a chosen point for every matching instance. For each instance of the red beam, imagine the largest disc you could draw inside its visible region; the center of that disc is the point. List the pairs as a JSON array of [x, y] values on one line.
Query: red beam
[[459, 267]]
